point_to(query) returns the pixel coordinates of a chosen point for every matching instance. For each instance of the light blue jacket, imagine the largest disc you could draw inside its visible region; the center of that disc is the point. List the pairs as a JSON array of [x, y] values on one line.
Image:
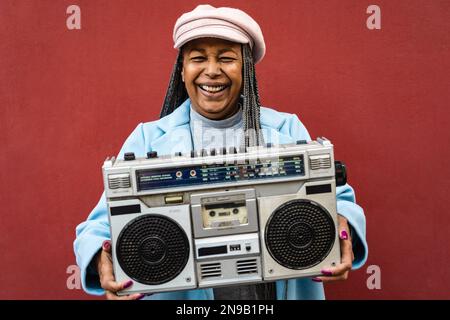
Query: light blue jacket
[[172, 133]]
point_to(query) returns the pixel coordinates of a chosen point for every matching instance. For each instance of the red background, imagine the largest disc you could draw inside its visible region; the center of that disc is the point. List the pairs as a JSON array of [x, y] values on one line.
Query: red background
[[69, 98]]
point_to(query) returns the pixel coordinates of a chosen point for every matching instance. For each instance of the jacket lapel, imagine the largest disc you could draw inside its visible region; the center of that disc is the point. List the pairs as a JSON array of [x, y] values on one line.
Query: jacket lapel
[[272, 125], [176, 136]]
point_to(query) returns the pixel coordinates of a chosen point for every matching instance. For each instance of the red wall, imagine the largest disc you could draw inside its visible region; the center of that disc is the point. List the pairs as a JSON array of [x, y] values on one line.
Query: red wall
[[69, 98]]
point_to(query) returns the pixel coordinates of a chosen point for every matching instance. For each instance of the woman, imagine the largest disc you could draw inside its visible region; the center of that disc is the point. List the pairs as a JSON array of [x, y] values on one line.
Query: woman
[[213, 86]]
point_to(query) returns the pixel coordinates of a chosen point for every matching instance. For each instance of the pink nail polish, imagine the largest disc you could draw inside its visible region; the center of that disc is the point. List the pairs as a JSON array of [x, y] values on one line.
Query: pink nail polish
[[127, 284], [344, 235], [327, 273], [141, 297], [316, 280], [106, 245]]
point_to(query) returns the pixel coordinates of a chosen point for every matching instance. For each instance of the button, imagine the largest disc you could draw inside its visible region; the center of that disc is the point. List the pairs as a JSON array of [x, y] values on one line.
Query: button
[[152, 154], [235, 210], [173, 199], [128, 156], [248, 247]]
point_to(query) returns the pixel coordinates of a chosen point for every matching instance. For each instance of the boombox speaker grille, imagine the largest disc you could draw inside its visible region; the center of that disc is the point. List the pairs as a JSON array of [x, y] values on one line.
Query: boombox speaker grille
[[300, 234], [152, 249]]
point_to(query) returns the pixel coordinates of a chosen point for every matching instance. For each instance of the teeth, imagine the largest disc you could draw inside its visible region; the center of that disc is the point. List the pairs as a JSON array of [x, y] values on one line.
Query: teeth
[[212, 89]]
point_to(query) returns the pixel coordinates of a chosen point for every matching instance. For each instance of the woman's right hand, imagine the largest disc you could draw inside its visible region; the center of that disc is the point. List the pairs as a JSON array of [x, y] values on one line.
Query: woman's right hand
[[107, 279]]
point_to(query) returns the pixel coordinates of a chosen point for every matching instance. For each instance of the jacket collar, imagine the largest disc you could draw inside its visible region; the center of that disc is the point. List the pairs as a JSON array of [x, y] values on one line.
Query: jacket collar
[[176, 134], [180, 117]]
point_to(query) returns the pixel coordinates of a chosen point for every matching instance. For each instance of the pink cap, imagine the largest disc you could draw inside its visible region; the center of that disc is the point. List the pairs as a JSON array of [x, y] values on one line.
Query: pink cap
[[206, 21]]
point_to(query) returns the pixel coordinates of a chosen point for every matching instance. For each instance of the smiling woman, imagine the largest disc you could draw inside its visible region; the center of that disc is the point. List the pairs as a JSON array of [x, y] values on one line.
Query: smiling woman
[[213, 83], [212, 73]]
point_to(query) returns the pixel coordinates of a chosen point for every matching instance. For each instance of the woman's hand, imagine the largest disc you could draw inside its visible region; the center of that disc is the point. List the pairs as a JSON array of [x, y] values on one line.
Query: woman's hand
[[340, 272], [107, 279]]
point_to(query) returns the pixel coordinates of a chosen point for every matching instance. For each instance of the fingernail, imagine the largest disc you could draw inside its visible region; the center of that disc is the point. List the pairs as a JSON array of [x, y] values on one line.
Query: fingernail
[[140, 297], [106, 245], [327, 273], [316, 280], [127, 284], [344, 235]]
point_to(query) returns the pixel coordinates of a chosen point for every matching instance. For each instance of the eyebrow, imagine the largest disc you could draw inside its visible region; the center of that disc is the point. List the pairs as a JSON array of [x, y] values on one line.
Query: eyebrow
[[220, 51]]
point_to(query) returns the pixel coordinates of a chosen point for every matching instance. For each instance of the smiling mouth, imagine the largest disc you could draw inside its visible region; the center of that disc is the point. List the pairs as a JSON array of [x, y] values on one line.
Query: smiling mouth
[[212, 89]]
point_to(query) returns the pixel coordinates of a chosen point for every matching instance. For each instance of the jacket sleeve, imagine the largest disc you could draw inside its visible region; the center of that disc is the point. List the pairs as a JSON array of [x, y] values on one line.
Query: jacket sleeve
[[91, 233], [346, 201]]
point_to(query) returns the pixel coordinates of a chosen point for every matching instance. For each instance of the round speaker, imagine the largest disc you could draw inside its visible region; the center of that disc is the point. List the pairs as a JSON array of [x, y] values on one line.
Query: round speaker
[[152, 249], [300, 234]]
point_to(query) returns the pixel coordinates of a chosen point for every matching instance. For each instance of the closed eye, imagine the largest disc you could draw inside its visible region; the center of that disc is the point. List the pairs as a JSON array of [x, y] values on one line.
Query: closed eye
[[198, 59], [227, 59]]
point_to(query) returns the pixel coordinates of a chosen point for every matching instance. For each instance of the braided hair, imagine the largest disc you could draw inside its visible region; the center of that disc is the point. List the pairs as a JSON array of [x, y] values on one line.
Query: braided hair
[[176, 94]]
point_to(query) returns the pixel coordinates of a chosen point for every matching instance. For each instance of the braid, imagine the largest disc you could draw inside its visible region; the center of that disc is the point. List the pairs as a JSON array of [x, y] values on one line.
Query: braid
[[251, 104], [177, 94]]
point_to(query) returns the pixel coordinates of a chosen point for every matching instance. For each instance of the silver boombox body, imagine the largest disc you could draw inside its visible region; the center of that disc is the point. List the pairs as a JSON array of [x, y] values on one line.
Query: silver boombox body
[[221, 218]]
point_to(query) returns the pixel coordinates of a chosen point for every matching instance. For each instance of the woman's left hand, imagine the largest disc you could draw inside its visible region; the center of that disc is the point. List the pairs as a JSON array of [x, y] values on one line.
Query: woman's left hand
[[340, 272]]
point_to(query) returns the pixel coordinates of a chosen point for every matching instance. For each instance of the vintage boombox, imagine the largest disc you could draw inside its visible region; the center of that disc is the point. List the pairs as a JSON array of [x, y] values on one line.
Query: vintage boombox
[[223, 217]]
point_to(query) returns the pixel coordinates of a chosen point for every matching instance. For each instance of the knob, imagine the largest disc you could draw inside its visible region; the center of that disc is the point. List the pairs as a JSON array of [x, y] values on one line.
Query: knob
[[233, 150], [224, 151], [152, 154], [178, 154], [341, 173], [128, 156], [213, 152]]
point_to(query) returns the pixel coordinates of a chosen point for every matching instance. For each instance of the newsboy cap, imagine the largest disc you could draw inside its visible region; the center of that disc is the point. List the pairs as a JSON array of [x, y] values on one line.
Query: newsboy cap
[[231, 24]]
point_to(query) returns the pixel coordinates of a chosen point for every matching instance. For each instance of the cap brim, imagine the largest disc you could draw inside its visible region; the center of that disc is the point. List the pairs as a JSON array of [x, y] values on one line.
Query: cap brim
[[211, 32]]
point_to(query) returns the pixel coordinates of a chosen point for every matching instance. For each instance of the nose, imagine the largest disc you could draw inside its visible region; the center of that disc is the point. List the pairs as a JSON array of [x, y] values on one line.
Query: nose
[[213, 69]]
